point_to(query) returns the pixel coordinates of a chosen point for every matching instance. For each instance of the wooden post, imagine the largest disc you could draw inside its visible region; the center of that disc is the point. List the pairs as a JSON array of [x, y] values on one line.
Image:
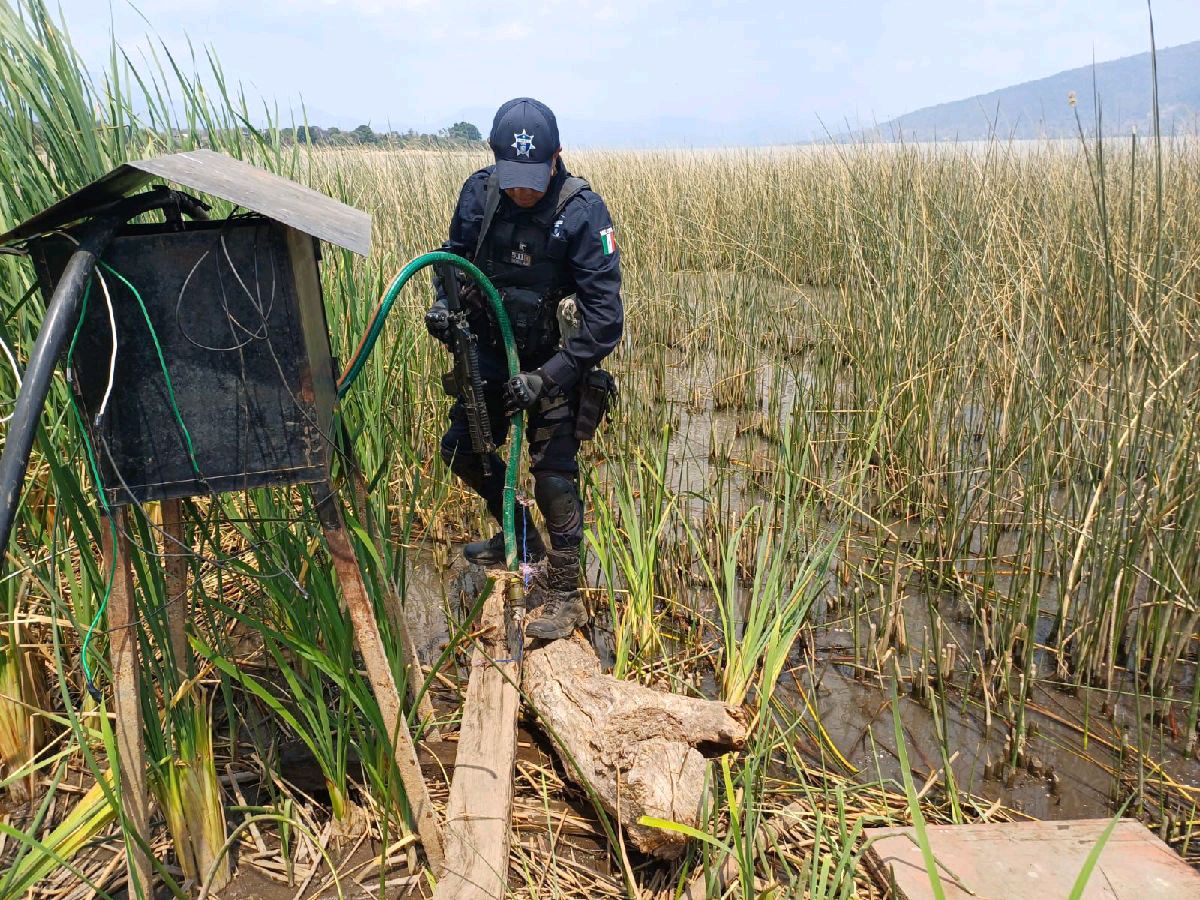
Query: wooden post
[[393, 606], [379, 672], [479, 813], [176, 581], [127, 704]]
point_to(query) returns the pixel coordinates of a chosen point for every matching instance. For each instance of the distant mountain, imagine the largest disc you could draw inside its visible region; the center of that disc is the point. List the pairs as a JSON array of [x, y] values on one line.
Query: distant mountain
[[1042, 108]]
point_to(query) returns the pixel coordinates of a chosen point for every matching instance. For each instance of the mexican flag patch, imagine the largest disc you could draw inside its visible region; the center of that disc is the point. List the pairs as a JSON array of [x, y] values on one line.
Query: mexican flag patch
[[607, 243]]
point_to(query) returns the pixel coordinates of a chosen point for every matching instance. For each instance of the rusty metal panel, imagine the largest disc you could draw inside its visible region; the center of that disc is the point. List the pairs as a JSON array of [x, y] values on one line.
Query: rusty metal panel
[[221, 176], [266, 193], [1022, 860]]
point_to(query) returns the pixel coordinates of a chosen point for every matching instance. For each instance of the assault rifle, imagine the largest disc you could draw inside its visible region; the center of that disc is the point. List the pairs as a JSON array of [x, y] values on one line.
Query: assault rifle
[[465, 380]]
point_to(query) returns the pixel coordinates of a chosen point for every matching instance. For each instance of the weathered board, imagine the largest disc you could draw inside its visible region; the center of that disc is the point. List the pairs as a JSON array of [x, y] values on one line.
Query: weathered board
[[218, 175], [481, 795], [1019, 860]]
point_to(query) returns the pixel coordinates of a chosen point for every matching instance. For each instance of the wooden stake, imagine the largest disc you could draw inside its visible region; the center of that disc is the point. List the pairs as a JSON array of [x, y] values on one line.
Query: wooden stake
[[379, 672], [127, 704], [393, 606], [176, 581]]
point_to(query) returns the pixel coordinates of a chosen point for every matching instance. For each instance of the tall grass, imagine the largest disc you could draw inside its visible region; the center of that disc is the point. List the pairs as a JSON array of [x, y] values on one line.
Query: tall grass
[[862, 387], [59, 130]]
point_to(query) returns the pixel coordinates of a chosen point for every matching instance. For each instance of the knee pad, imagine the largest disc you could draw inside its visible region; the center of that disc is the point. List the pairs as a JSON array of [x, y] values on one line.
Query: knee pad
[[558, 498]]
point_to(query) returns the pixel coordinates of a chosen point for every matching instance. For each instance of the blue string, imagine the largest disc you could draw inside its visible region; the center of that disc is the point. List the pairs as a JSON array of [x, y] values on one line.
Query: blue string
[[525, 544]]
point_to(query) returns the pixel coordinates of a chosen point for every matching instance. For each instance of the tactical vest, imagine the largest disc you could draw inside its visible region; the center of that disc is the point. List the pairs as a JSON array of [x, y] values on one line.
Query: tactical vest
[[526, 260]]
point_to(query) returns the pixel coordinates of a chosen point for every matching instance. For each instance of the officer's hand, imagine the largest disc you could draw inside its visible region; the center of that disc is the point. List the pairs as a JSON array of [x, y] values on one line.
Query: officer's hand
[[522, 392], [437, 322], [470, 294]]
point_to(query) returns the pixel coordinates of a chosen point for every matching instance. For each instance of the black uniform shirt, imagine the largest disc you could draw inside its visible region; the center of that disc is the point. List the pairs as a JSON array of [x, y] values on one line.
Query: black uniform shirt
[[592, 267]]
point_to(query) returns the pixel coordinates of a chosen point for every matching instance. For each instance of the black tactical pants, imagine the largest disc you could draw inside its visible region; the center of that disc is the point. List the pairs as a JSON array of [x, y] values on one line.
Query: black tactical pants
[[553, 451]]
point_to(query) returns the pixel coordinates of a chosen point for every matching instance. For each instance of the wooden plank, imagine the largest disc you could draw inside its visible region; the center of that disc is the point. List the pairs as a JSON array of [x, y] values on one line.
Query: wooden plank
[[1020, 860], [379, 670], [479, 811], [127, 704]]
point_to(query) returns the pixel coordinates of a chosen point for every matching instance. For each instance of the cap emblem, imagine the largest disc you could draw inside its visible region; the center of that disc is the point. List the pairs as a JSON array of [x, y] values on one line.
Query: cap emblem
[[523, 143]]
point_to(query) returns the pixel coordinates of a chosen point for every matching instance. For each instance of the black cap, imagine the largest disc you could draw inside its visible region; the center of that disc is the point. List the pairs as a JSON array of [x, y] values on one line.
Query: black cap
[[524, 138]]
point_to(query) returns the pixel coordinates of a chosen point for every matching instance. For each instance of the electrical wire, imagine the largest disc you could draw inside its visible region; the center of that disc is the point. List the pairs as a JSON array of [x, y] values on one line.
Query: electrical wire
[[84, 651], [218, 562], [162, 363], [112, 357], [256, 303], [90, 451], [179, 313], [112, 323], [12, 361]]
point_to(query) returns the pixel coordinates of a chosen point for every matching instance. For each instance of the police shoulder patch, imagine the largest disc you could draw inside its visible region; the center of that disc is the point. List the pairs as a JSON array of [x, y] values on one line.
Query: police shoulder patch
[[607, 242]]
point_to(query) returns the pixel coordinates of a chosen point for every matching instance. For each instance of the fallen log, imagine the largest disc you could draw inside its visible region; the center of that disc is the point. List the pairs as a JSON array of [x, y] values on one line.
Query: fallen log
[[638, 749]]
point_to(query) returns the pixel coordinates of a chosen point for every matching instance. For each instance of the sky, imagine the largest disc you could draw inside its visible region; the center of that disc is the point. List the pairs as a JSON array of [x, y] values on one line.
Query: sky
[[631, 72]]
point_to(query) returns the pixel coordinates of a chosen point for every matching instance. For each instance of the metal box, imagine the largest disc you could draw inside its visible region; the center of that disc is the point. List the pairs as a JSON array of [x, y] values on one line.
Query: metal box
[[237, 311]]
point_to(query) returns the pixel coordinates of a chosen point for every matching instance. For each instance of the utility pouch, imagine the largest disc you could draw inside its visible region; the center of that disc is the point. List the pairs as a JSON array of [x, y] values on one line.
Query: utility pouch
[[597, 393], [524, 308]]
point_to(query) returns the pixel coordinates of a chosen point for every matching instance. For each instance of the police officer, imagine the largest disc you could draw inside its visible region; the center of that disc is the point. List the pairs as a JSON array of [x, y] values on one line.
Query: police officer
[[542, 236]]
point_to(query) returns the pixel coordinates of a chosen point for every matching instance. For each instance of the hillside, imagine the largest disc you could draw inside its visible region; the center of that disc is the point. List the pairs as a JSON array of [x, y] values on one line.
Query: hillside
[[1041, 108]]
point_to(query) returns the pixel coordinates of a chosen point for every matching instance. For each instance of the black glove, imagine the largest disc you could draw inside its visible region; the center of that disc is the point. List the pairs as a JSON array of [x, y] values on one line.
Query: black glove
[[437, 322], [470, 294], [522, 392]]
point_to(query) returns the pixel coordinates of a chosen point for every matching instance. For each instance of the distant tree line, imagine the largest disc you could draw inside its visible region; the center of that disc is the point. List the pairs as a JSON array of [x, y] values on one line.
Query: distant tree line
[[457, 135]]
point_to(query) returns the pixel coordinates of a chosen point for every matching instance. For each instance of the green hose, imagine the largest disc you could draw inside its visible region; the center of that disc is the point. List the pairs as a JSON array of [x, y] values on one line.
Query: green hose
[[510, 351]]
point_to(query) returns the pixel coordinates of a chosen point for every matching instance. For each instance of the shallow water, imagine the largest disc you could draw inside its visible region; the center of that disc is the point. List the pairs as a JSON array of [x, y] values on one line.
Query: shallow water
[[1078, 761]]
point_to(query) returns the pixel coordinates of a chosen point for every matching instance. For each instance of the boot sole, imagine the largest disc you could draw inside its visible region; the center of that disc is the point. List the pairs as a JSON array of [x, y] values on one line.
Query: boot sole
[[556, 635], [483, 559]]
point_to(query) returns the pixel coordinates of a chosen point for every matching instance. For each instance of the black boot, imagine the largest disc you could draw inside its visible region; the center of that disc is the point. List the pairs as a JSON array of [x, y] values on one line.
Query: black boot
[[554, 594], [491, 551]]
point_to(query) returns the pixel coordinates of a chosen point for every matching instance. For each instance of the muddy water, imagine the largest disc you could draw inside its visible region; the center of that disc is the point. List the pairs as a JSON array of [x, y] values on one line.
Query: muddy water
[[1074, 764], [1066, 771], [1063, 772]]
